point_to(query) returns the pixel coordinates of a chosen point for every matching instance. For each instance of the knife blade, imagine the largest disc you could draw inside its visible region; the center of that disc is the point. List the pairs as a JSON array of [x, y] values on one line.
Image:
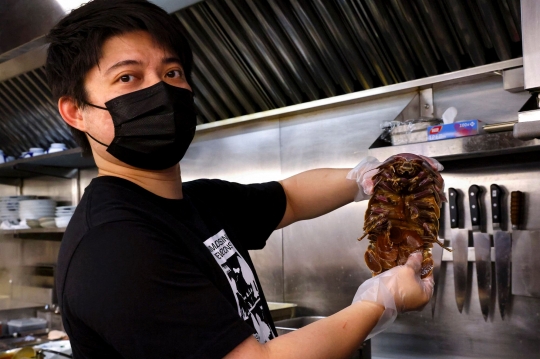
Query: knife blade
[[436, 255], [503, 251], [460, 245], [525, 246], [482, 249]]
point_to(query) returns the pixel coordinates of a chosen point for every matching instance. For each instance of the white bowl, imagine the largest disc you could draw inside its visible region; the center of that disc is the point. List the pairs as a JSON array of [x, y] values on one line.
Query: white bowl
[[62, 222], [58, 145]]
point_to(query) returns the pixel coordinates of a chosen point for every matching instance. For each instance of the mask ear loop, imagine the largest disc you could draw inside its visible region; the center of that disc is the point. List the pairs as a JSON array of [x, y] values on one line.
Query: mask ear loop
[[92, 137]]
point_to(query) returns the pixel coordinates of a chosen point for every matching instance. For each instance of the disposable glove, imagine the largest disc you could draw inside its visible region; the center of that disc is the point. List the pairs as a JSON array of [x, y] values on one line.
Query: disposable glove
[[368, 167], [398, 290]]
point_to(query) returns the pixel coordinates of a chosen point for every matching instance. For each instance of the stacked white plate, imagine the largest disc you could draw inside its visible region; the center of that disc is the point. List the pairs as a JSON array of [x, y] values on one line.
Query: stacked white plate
[[63, 215], [9, 208], [36, 208]]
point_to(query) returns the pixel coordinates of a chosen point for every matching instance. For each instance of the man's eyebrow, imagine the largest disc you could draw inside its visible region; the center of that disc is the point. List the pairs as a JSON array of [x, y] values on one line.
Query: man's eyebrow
[[171, 60], [122, 63]]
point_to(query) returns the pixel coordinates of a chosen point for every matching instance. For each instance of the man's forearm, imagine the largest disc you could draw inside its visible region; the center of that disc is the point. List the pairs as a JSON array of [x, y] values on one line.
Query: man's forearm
[[316, 192], [337, 336]]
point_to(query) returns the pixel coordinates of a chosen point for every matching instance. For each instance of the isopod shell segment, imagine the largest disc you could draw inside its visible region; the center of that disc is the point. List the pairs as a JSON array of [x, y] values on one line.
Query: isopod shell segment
[[403, 213]]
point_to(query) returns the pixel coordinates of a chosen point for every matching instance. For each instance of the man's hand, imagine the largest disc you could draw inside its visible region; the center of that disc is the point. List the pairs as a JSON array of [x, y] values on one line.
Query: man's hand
[[400, 289], [363, 174]]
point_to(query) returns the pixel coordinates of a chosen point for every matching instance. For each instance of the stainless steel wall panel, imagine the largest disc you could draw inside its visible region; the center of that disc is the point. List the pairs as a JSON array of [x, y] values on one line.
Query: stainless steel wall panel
[[244, 154], [479, 99], [58, 189], [6, 190], [85, 177], [530, 10], [269, 263], [323, 261]]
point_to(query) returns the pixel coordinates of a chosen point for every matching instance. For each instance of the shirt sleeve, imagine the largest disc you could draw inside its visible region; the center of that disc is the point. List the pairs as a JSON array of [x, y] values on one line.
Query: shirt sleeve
[[251, 211], [132, 288]]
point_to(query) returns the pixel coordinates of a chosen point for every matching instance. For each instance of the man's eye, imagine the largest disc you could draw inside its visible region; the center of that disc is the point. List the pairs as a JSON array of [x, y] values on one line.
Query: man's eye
[[174, 73], [125, 78]]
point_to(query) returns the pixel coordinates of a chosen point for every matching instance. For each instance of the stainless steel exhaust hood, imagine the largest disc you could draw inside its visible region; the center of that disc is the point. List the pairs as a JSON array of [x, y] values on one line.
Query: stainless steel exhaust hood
[[257, 55], [528, 126]]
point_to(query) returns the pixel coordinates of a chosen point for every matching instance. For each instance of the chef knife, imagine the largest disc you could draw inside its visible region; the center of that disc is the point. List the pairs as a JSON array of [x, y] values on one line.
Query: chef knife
[[460, 245], [482, 250], [436, 255], [525, 247], [503, 250]]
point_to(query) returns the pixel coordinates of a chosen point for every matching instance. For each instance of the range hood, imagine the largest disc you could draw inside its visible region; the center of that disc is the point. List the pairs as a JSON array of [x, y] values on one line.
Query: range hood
[[528, 126], [258, 55]]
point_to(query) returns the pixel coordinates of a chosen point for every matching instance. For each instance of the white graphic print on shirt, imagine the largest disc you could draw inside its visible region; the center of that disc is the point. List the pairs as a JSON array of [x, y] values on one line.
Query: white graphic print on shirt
[[243, 284]]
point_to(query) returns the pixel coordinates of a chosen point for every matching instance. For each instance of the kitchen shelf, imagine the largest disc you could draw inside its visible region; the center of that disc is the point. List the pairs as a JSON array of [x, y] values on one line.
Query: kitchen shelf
[[51, 234], [484, 145], [60, 164]]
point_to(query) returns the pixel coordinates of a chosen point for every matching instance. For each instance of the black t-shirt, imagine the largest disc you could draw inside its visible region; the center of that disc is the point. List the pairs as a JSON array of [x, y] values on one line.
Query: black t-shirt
[[141, 276]]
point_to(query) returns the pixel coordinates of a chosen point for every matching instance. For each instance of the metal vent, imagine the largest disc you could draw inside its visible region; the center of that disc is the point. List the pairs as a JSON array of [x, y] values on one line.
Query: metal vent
[[258, 55], [254, 55], [28, 116]]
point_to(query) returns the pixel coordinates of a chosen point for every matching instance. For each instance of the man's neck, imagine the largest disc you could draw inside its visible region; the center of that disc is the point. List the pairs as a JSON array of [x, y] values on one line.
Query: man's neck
[[165, 183]]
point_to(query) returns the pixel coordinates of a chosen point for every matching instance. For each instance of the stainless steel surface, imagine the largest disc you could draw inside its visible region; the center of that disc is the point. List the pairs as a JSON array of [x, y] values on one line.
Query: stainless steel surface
[[470, 254], [503, 250], [525, 263], [490, 144], [482, 249], [491, 89], [530, 12], [437, 253], [514, 79], [527, 131], [290, 325], [460, 243]]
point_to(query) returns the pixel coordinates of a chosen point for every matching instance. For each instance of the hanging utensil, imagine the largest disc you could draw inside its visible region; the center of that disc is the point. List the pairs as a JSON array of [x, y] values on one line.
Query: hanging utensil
[[525, 246], [460, 245], [503, 250], [482, 250]]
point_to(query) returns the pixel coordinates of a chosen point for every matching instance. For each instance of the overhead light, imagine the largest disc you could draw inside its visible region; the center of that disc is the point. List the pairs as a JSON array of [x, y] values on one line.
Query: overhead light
[[68, 5]]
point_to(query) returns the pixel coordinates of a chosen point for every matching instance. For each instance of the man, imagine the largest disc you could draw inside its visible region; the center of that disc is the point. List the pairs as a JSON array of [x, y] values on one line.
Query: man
[[151, 267]]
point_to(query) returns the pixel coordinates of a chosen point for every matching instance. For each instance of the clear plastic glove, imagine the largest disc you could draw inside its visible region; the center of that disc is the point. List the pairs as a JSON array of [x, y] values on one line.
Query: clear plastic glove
[[367, 168], [398, 290]]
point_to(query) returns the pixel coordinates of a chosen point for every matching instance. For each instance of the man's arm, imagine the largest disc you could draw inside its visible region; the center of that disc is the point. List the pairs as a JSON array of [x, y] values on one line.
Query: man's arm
[[337, 336], [316, 192]]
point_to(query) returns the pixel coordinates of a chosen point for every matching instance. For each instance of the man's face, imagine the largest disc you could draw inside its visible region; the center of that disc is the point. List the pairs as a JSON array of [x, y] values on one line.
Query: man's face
[[129, 62]]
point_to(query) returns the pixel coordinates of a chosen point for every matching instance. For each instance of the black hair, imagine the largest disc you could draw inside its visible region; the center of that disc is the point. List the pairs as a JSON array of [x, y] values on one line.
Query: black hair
[[76, 43]]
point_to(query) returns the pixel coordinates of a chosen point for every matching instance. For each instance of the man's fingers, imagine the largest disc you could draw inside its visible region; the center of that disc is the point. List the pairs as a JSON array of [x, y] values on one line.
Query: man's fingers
[[429, 284], [436, 165], [415, 262]]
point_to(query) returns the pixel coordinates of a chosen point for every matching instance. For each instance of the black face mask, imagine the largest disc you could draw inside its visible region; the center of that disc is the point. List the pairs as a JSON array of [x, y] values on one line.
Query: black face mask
[[153, 127]]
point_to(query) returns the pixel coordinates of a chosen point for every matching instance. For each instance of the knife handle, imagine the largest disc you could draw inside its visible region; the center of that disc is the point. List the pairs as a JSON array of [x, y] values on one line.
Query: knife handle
[[495, 204], [474, 202], [453, 203], [516, 208]]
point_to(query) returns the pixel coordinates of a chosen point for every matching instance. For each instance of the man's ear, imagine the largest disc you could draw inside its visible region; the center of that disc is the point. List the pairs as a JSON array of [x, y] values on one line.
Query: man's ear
[[71, 113]]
